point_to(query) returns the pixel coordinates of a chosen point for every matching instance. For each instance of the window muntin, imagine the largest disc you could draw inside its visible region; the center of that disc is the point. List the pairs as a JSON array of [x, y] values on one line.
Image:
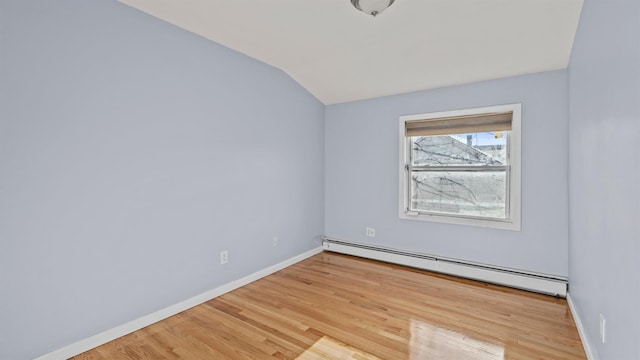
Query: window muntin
[[462, 167]]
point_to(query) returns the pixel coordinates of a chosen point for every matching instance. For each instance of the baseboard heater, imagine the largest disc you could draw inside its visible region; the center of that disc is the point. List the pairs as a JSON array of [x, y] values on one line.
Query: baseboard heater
[[546, 284]]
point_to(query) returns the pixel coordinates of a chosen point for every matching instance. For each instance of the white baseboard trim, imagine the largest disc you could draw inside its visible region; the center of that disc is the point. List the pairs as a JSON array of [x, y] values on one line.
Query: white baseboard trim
[[137, 324], [581, 330]]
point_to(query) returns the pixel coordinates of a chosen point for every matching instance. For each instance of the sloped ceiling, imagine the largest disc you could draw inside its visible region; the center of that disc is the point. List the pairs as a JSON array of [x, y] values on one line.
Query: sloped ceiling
[[340, 54]]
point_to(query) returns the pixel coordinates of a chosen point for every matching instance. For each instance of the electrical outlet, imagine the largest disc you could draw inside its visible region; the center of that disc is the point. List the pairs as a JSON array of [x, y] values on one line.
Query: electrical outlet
[[371, 232], [275, 241], [224, 257], [602, 328]]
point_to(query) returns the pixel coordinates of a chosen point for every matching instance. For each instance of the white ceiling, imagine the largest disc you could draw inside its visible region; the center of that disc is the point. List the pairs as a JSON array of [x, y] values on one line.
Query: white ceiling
[[340, 54]]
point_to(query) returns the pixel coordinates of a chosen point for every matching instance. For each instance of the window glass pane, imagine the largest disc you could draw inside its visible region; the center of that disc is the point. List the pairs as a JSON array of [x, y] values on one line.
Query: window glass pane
[[469, 193], [482, 149]]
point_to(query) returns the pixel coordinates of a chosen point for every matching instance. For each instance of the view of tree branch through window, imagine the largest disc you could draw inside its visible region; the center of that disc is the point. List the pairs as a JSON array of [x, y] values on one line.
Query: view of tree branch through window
[[462, 174], [462, 165]]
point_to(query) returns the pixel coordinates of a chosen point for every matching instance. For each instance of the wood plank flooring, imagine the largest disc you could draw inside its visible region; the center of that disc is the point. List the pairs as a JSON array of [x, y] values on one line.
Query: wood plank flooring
[[333, 306]]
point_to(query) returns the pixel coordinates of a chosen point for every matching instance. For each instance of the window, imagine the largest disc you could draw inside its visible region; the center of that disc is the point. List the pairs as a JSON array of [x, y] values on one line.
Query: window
[[462, 167]]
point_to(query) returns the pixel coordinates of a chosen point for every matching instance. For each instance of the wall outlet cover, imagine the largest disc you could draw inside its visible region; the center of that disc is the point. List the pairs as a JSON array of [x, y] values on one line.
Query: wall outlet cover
[[602, 328], [371, 232]]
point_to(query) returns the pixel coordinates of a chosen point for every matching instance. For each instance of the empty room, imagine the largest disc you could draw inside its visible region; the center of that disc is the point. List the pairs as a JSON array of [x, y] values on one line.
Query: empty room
[[327, 179]]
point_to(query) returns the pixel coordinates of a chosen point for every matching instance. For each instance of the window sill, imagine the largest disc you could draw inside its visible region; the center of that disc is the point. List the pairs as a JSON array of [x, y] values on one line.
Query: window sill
[[492, 224]]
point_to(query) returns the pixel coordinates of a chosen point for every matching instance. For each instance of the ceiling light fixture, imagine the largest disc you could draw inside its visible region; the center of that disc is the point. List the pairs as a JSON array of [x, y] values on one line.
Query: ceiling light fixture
[[372, 7]]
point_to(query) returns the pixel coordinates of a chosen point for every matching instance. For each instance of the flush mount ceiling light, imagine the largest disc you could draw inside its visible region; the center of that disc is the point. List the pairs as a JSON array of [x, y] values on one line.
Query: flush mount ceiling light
[[372, 7]]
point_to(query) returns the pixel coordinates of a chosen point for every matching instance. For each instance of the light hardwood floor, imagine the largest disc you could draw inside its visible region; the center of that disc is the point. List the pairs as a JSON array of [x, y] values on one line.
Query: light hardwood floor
[[333, 306]]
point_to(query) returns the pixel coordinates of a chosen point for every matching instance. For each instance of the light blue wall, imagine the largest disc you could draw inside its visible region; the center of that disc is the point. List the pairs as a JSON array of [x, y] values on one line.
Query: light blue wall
[[604, 175], [362, 174], [131, 154]]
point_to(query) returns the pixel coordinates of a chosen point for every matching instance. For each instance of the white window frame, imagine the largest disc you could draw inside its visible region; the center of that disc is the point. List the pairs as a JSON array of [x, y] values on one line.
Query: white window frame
[[514, 183]]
